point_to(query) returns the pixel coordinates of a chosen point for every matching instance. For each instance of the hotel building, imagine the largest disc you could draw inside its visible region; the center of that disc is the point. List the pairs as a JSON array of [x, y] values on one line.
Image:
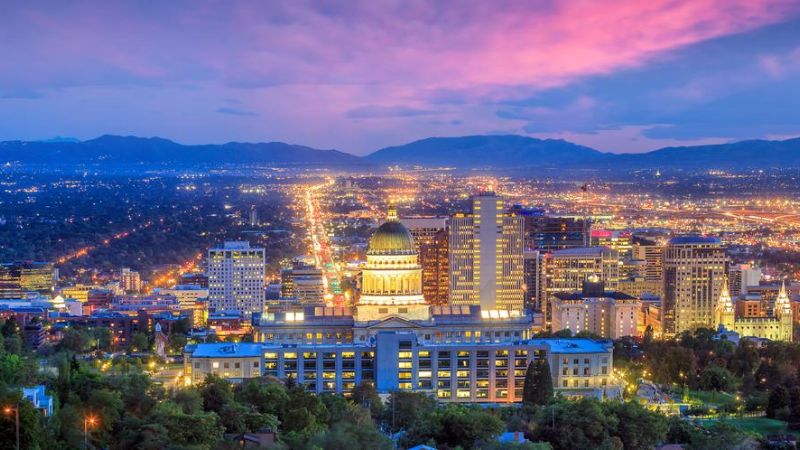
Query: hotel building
[[236, 274]]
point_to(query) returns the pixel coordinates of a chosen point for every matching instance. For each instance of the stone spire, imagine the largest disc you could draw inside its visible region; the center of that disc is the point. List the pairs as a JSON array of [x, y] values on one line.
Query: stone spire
[[782, 304], [724, 310]]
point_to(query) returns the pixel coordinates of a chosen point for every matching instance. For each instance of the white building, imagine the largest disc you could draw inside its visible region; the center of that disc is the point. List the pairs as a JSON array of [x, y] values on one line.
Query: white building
[[486, 260], [236, 275], [607, 314]]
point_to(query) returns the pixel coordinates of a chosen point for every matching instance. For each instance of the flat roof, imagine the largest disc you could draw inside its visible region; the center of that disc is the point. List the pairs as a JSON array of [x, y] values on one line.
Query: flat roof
[[228, 350], [694, 240], [583, 251], [572, 345]]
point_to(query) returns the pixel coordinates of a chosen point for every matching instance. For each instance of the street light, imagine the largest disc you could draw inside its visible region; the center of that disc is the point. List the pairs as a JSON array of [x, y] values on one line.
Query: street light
[[88, 420], [8, 410]]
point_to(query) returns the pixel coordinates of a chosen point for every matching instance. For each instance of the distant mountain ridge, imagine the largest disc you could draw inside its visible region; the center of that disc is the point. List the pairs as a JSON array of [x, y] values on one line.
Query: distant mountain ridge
[[465, 152], [512, 151], [125, 150]]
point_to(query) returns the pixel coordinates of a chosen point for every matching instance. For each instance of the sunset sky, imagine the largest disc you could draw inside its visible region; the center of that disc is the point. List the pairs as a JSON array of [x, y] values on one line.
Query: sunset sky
[[618, 76]]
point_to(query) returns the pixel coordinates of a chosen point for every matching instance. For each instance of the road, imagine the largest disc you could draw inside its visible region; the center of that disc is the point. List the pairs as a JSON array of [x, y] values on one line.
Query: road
[[320, 245]]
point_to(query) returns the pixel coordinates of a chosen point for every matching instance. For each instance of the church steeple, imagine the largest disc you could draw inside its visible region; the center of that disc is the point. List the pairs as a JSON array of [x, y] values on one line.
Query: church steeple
[[782, 304], [724, 310]]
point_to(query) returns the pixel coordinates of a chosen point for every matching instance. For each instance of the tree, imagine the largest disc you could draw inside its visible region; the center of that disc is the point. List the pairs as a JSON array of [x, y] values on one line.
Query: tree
[[75, 340], [140, 342], [405, 409], [575, 424], [367, 396], [648, 336], [267, 397], [538, 389], [456, 426], [216, 393], [637, 427], [717, 378]]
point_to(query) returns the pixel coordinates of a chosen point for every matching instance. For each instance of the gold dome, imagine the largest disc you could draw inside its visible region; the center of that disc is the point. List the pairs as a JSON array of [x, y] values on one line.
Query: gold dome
[[392, 238]]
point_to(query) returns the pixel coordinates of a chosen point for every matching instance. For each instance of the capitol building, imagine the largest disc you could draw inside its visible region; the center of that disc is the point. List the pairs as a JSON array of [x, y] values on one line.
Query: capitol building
[[391, 337]]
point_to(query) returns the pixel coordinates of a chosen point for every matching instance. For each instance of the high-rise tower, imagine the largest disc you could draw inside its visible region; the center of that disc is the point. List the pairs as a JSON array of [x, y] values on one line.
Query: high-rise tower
[[486, 260]]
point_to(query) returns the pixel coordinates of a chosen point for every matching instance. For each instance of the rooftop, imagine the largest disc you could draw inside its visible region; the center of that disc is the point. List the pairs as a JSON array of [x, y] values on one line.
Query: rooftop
[[582, 251], [576, 345], [240, 350], [684, 240]]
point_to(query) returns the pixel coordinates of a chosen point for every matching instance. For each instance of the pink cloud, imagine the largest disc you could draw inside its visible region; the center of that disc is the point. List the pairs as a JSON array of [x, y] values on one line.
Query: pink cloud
[[429, 45]]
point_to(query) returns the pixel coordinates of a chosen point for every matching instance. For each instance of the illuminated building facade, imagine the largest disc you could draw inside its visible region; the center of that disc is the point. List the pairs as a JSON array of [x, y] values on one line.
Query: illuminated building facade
[[567, 270], [535, 280], [607, 314], [394, 339], [236, 274], [694, 270], [486, 256], [19, 278], [392, 361], [651, 251], [619, 241], [557, 232], [430, 237], [130, 282], [777, 327]]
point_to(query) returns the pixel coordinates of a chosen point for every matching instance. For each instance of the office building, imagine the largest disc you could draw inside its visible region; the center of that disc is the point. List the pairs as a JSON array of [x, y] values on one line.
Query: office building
[[430, 237], [236, 275], [694, 270], [464, 372], [741, 277], [566, 270], [486, 258], [19, 278], [190, 297], [535, 280], [548, 233], [651, 251], [617, 240], [303, 282], [130, 282], [604, 313]]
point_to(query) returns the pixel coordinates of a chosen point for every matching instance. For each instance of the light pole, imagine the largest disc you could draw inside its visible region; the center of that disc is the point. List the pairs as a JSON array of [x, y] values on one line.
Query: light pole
[[88, 420], [8, 410]]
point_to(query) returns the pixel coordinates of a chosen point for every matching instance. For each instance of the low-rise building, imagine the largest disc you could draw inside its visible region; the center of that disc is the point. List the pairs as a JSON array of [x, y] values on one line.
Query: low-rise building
[[396, 360], [605, 313]]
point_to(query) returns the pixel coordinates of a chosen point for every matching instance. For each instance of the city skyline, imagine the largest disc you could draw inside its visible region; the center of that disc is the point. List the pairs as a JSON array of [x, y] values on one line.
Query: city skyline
[[361, 76]]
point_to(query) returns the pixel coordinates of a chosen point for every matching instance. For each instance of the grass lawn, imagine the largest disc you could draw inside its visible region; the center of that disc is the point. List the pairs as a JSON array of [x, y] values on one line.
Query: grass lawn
[[710, 397], [761, 425]]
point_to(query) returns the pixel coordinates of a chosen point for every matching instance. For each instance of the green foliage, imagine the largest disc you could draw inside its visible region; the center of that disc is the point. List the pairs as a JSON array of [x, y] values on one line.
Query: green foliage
[[30, 422], [716, 378], [588, 423], [140, 342], [538, 389], [407, 409], [454, 426], [367, 396]]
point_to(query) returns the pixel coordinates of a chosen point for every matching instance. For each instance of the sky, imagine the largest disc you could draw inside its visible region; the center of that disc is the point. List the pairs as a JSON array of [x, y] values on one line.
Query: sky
[[621, 76]]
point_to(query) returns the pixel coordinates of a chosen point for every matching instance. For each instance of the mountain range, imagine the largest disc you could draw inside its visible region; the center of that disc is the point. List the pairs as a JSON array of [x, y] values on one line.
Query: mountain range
[[490, 151]]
